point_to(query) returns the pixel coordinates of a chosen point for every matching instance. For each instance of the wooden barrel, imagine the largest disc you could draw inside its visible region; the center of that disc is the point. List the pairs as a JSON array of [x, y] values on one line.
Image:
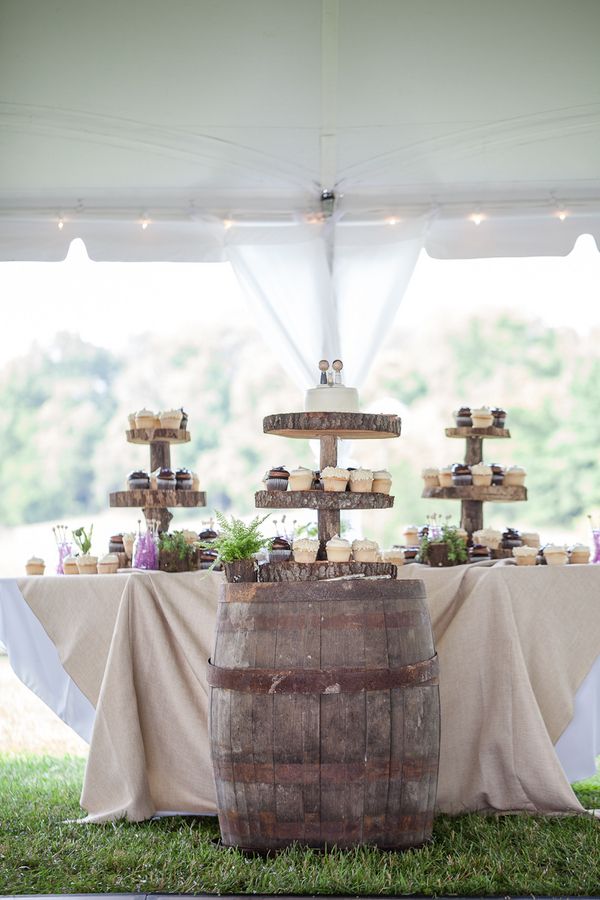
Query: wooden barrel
[[324, 710]]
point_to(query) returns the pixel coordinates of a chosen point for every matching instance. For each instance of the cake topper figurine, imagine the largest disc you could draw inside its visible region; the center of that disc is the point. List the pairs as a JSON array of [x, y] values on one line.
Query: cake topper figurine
[[323, 366], [337, 366]]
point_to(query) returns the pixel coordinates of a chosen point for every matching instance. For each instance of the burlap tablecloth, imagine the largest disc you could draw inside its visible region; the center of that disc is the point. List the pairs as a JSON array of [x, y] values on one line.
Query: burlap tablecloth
[[514, 645]]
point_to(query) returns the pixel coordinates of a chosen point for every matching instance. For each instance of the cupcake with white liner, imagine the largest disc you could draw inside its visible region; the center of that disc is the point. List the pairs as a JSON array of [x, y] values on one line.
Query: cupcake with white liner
[[488, 537], [361, 481], [579, 554], [87, 564], [382, 482], [109, 564], [481, 474], [482, 417], [411, 536], [395, 556], [35, 565], [445, 476], [170, 418], [514, 476], [556, 554], [525, 556], [338, 549], [131, 421], [300, 479], [305, 550], [195, 482], [144, 418], [531, 539], [70, 566], [431, 477], [365, 551], [334, 478]]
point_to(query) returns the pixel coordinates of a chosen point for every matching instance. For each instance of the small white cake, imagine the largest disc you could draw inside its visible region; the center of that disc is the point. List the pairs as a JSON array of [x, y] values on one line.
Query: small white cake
[[331, 398]]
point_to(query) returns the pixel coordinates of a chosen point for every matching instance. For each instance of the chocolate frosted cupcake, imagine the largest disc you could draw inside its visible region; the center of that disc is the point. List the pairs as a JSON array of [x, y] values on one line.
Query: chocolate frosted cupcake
[[463, 417], [497, 474], [499, 417], [138, 481], [183, 480], [207, 558], [461, 475], [280, 551], [115, 544], [277, 479], [166, 480], [479, 551], [209, 534], [511, 538]]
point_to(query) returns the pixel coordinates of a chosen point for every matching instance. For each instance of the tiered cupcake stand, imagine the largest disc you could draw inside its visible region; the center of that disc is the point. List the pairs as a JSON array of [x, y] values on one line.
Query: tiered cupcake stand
[[156, 504], [328, 428], [473, 497]]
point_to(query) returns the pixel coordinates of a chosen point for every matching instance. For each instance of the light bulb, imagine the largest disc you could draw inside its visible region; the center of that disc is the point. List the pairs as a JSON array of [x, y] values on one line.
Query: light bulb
[[145, 224], [61, 224], [392, 220], [561, 214], [227, 223], [477, 218]]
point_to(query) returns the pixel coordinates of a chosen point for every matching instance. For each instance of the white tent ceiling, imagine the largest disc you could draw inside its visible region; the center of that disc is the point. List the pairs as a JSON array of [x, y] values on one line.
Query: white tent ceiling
[[192, 112]]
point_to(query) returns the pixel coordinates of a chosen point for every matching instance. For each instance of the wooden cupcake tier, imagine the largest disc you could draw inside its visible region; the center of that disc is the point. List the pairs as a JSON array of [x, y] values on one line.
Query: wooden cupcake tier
[[158, 498], [329, 500], [150, 435], [465, 432], [319, 571], [352, 426], [495, 493]]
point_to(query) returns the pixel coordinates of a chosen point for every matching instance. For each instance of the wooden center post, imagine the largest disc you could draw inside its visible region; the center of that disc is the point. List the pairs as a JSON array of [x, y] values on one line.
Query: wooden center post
[[328, 519]]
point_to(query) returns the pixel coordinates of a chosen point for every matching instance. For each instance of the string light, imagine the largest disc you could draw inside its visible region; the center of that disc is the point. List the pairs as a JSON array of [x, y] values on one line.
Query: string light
[[477, 218], [227, 223], [60, 223], [561, 214], [392, 220], [144, 223]]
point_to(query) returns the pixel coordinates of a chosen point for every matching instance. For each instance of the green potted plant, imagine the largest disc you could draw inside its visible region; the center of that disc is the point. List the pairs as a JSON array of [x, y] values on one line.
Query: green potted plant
[[176, 554], [237, 544], [449, 549]]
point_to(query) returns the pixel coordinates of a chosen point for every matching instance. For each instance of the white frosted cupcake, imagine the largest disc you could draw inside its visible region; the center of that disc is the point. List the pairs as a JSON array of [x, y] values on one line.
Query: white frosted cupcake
[[488, 537], [170, 418], [334, 478], [128, 542], [530, 539], [411, 536], [462, 534], [382, 482], [431, 477], [361, 481], [525, 556], [338, 549], [35, 566], [579, 554], [109, 564], [131, 421], [365, 551], [514, 476], [395, 556], [482, 417], [300, 479], [70, 566], [305, 550], [482, 475], [195, 482], [144, 419], [189, 536], [556, 554], [87, 565], [445, 476]]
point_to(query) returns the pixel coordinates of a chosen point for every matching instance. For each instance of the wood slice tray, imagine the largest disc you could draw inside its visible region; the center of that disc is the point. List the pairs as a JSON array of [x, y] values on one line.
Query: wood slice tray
[[495, 492], [465, 432], [354, 426], [319, 571], [157, 499], [321, 500], [154, 435]]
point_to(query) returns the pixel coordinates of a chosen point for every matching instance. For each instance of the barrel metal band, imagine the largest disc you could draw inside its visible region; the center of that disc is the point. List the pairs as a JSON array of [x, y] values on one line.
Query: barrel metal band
[[322, 681]]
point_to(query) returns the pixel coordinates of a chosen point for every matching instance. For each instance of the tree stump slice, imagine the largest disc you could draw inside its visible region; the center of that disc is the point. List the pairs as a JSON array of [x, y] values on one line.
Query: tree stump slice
[[331, 500], [151, 435], [466, 432], [494, 493], [158, 499], [287, 572], [352, 426]]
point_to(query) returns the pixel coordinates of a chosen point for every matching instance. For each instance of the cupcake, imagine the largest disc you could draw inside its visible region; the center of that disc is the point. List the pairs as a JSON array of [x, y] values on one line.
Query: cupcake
[[410, 554], [189, 536], [499, 417], [138, 481], [482, 417], [479, 551], [395, 556], [461, 475], [579, 553], [462, 534], [488, 537], [209, 534], [305, 550], [497, 474], [128, 542], [208, 558], [525, 556], [338, 549], [482, 475], [170, 418], [277, 479], [511, 538], [365, 551], [334, 478], [280, 551], [87, 564], [115, 544], [514, 476], [431, 477], [157, 421], [411, 536], [361, 481], [530, 539], [195, 482], [445, 476], [109, 564], [556, 554], [70, 566], [166, 480], [300, 479], [463, 417], [183, 480], [131, 421], [35, 566], [382, 482], [144, 419], [183, 424]]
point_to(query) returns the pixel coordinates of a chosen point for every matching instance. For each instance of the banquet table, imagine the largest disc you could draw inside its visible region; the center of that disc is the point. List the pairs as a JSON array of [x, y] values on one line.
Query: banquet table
[[122, 658]]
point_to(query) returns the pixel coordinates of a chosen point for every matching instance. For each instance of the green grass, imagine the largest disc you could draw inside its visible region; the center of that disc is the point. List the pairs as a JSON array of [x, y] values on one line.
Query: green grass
[[507, 855]]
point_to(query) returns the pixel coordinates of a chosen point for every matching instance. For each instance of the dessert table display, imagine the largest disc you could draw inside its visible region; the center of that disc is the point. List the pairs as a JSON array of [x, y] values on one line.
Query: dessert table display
[[517, 646]]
